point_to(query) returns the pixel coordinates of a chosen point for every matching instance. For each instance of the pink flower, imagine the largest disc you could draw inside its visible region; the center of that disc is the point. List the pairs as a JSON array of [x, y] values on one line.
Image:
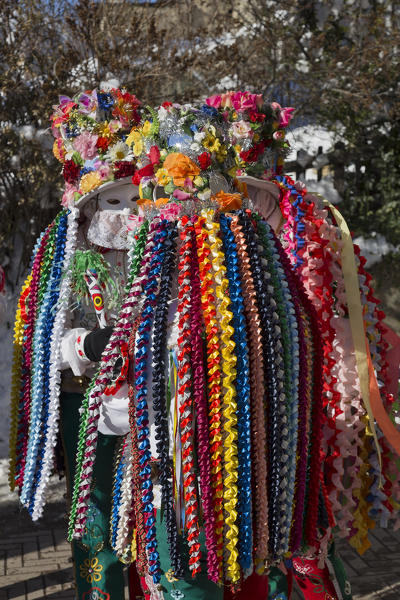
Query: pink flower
[[244, 101], [88, 101], [181, 195], [214, 101], [85, 144], [259, 100], [278, 135], [134, 221], [171, 211], [285, 114], [241, 129], [103, 169], [68, 195], [226, 100]]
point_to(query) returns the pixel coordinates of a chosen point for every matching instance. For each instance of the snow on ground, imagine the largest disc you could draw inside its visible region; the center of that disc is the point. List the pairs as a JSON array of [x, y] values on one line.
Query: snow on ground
[[375, 248], [310, 138]]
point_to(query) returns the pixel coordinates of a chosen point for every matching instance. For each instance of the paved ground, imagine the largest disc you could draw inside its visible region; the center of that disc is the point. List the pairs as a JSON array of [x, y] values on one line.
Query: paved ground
[[35, 559]]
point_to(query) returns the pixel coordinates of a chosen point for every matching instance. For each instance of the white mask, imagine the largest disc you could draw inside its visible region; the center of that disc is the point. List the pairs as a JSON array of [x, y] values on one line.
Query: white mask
[[109, 225]]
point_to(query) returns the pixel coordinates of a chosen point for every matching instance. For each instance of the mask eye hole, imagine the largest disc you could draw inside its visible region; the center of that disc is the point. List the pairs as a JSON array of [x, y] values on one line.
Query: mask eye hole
[[113, 201], [134, 199]]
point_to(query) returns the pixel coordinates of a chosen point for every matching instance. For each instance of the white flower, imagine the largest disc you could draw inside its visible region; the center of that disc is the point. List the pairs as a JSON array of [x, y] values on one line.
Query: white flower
[[119, 151], [162, 113], [204, 195], [199, 136], [196, 147]]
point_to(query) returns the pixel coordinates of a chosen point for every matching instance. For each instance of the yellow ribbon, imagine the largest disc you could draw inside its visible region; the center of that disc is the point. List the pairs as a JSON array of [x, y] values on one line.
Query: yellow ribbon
[[368, 385], [231, 461], [16, 379]]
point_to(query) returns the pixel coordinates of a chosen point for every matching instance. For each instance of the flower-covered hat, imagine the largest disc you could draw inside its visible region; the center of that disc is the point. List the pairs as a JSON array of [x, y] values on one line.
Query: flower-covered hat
[[91, 130], [195, 153]]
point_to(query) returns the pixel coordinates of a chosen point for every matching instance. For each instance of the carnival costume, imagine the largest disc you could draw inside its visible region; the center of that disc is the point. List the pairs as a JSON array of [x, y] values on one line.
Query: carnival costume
[[249, 359]]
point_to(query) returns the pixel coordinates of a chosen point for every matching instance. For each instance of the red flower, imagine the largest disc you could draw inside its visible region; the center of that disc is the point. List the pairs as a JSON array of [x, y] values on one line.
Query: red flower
[[123, 168], [154, 155], [253, 154], [146, 171], [71, 171], [166, 104], [102, 143], [256, 117], [204, 160]]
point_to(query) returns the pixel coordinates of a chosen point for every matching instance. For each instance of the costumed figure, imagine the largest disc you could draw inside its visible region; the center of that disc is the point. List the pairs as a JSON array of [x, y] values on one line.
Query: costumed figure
[[65, 317], [245, 365]]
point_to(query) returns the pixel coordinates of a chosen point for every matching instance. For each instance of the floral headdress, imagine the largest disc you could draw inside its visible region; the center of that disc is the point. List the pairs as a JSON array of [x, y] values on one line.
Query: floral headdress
[[90, 131], [196, 152]]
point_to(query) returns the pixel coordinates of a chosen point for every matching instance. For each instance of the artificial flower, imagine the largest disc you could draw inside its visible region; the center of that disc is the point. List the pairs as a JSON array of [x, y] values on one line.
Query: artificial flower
[[59, 149], [226, 100], [241, 129], [278, 135], [161, 202], [71, 171], [211, 143], [125, 106], [103, 143], [179, 167], [214, 101], [107, 130], [254, 152], [221, 153], [154, 155], [162, 177], [146, 128], [181, 195], [85, 144], [69, 194], [204, 194], [87, 102], [198, 181], [204, 160], [123, 168], [90, 181], [285, 114], [135, 138], [242, 101], [228, 201], [146, 171], [118, 152], [103, 169]]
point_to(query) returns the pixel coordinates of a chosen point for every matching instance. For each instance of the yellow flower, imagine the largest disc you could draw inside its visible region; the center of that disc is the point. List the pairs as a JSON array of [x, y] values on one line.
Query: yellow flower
[[221, 153], [163, 177], [90, 181], [256, 137], [59, 150], [211, 143], [135, 138], [146, 128], [91, 570], [198, 181], [106, 130]]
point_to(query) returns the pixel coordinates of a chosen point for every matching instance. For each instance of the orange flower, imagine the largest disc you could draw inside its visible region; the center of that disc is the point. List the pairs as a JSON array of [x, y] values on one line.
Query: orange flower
[[180, 167], [161, 201], [143, 202], [228, 201]]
